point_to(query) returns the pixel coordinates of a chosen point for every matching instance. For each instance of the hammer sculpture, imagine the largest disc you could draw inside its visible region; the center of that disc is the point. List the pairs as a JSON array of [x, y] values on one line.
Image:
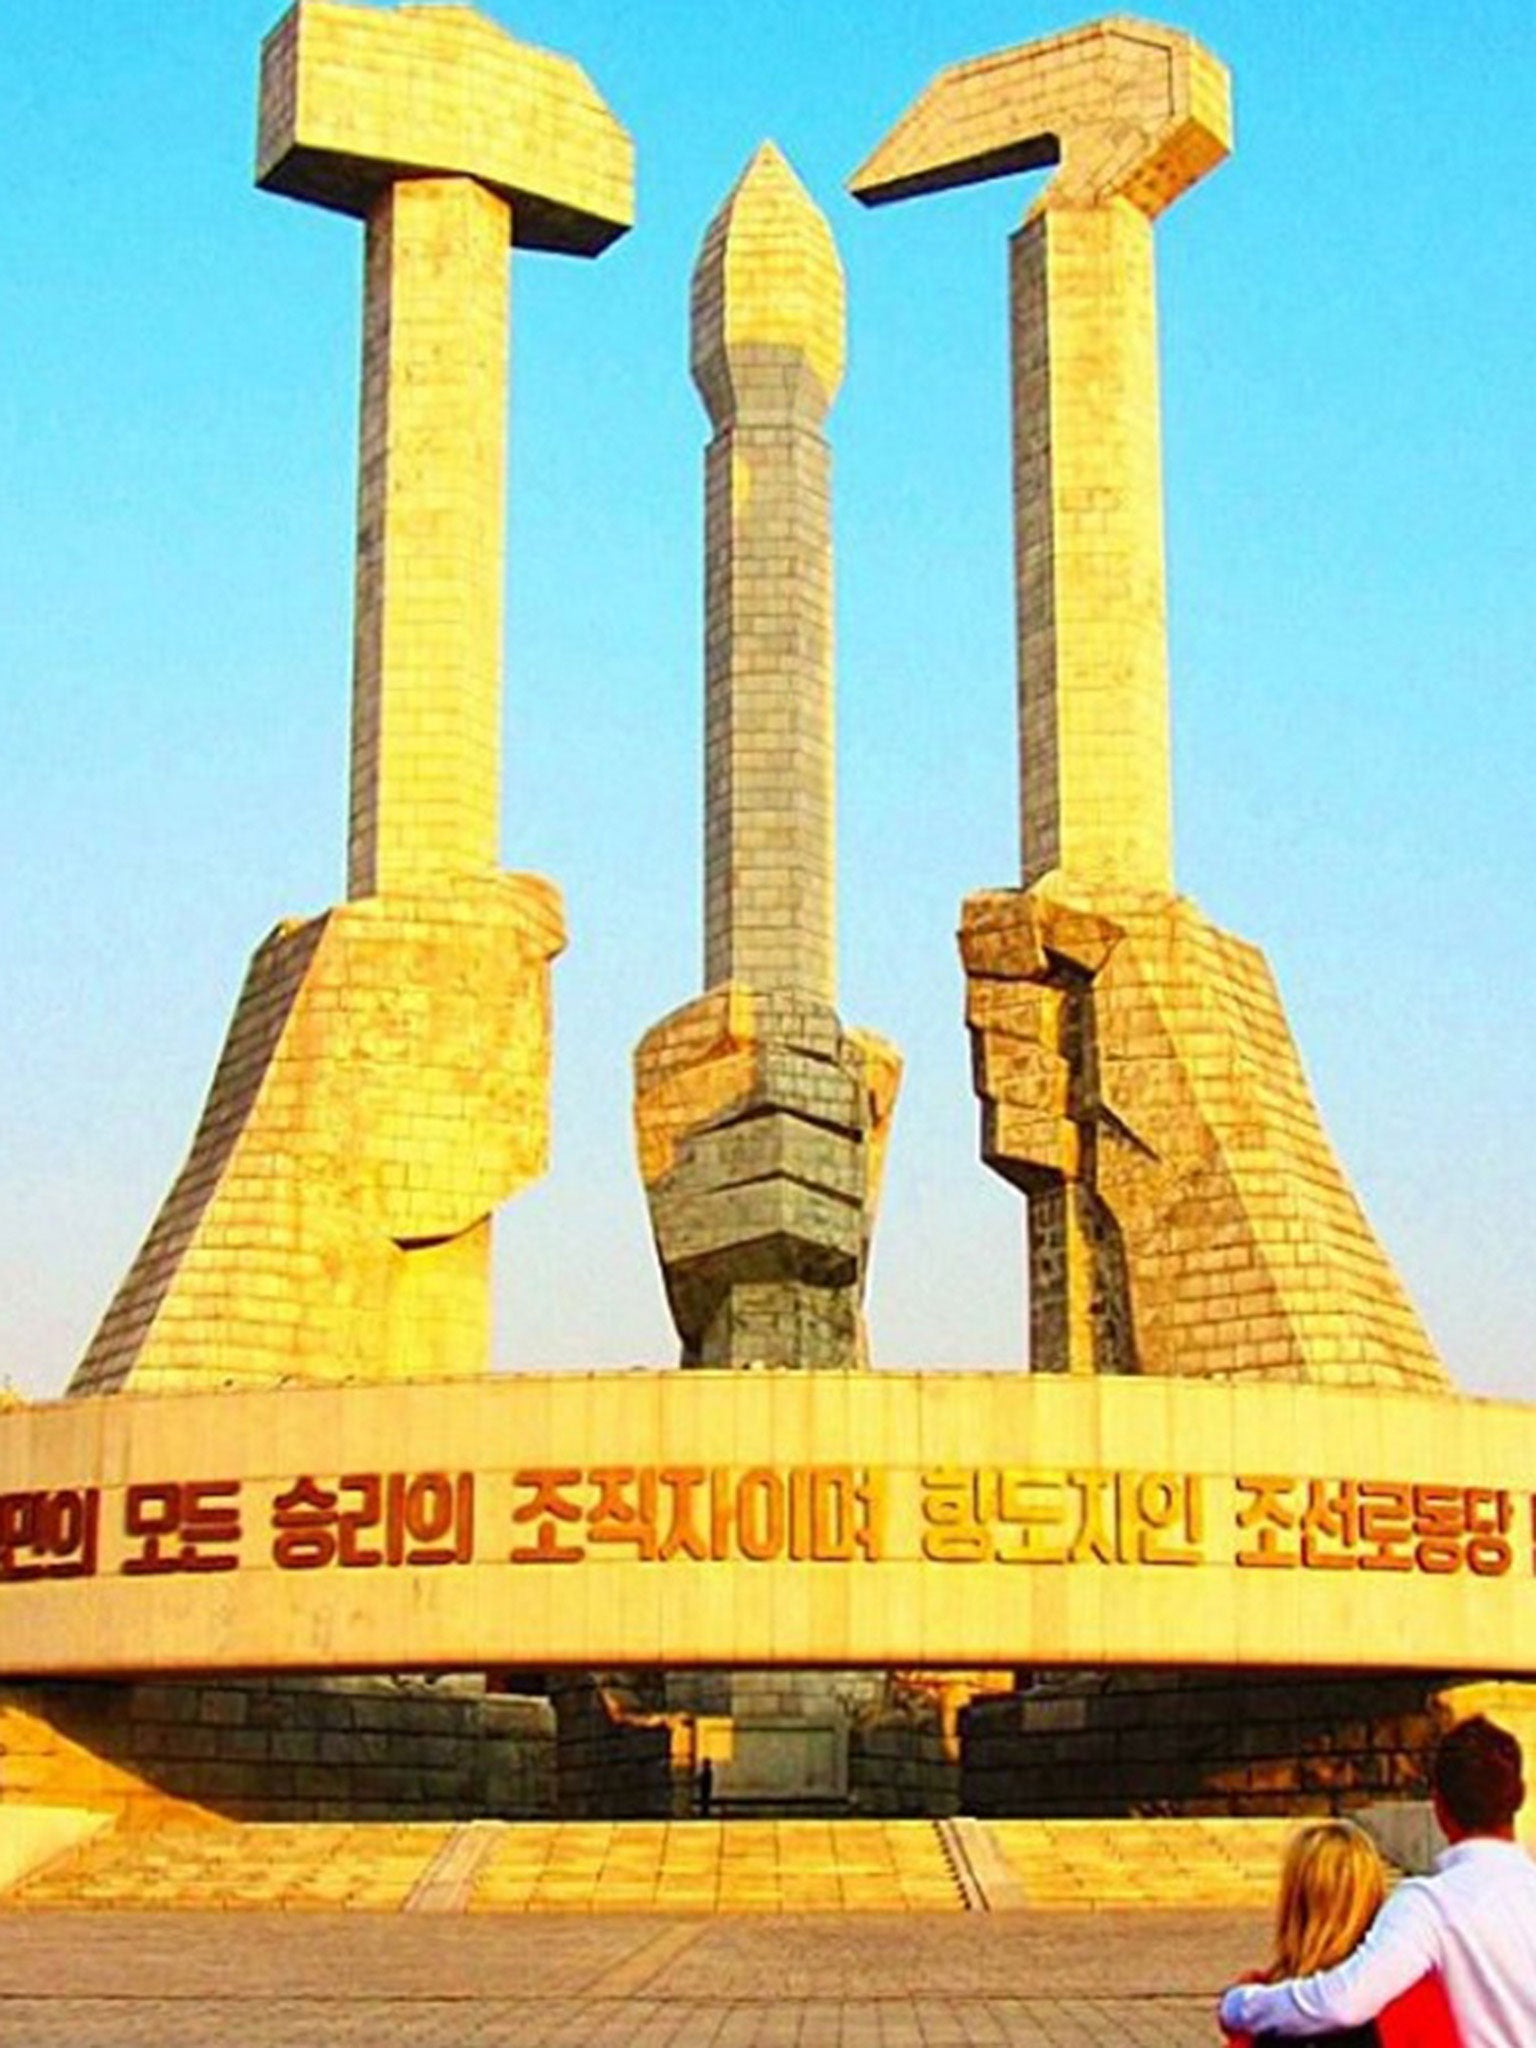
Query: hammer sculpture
[[1136, 1075], [385, 1080]]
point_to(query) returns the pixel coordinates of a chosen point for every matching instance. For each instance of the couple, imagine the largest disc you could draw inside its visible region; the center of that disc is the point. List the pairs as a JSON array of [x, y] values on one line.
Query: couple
[[1448, 1962]]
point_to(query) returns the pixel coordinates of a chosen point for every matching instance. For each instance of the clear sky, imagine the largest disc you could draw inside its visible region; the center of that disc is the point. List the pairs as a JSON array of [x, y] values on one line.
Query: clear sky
[[1348, 333]]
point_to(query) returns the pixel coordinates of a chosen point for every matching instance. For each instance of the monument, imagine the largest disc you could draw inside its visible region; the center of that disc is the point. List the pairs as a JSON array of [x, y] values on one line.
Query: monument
[[1237, 1451], [761, 1122], [1136, 1075], [332, 1221]]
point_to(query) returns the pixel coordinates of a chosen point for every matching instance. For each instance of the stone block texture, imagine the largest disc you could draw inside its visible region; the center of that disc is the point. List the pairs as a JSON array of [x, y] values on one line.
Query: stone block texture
[[383, 1086], [761, 1122], [1136, 1076], [1187, 1214], [761, 1127], [904, 1755], [354, 99], [1132, 115], [767, 356], [426, 692], [608, 1745], [615, 1749], [1200, 1742], [385, 1080], [629, 1743], [452, 141], [1088, 538], [278, 1749]]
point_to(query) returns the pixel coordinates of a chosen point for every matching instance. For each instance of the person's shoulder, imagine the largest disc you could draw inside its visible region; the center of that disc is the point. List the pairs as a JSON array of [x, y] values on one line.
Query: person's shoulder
[[1415, 1897], [1475, 1878], [1417, 1912], [1479, 1863]]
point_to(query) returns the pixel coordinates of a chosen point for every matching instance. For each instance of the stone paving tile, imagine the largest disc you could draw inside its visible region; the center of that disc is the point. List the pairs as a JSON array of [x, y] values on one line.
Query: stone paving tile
[[718, 1866], [1093, 1864], [1030, 1980], [309, 1865], [290, 2023], [644, 1867], [606, 1867]]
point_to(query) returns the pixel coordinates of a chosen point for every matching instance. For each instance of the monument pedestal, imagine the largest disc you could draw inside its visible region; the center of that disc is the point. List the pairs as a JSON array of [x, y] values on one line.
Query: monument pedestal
[[1244, 1742]]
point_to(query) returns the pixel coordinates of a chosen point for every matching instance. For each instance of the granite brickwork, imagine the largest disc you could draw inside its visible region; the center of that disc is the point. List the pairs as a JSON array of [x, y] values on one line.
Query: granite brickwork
[[385, 1081], [1131, 115], [577, 1746], [785, 1743], [1139, 1083], [761, 1122], [1241, 1742], [617, 1756], [383, 1086], [900, 1767], [767, 325], [278, 1749], [1135, 1073], [1136, 1076], [762, 1128]]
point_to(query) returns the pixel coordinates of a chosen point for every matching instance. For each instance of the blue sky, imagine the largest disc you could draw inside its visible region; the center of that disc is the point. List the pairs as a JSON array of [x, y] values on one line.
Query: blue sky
[[1349, 437]]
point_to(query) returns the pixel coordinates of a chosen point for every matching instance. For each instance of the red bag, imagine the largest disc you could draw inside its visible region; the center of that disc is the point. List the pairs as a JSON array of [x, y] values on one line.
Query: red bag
[[1421, 2018]]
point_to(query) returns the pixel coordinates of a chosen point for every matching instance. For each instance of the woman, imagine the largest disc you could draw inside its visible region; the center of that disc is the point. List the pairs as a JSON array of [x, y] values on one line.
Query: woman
[[1332, 1884]]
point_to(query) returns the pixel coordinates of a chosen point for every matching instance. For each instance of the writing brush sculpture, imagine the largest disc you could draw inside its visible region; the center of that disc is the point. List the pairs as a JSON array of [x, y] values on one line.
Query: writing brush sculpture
[[761, 1122]]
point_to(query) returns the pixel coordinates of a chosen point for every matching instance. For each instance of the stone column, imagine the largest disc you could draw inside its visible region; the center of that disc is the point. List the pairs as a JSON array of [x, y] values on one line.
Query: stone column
[[761, 1122], [1131, 115], [1094, 778], [768, 361], [426, 710]]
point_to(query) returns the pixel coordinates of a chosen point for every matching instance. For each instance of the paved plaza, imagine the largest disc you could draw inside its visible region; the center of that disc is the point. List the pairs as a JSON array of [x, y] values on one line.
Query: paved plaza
[[675, 1868], [321, 1980], [739, 1934]]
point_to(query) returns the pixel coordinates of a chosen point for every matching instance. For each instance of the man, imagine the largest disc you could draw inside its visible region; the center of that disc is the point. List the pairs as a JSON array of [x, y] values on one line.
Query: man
[[1474, 1921]]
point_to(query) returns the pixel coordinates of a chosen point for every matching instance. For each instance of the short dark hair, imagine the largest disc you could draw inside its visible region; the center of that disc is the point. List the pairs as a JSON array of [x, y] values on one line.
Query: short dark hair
[[1477, 1774]]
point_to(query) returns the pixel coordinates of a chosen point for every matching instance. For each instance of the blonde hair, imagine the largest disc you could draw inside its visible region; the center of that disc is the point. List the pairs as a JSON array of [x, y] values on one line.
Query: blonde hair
[[1332, 1884]]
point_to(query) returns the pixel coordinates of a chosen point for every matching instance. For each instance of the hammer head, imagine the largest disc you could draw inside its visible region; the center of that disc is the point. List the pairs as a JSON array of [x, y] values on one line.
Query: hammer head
[[353, 98], [1127, 109]]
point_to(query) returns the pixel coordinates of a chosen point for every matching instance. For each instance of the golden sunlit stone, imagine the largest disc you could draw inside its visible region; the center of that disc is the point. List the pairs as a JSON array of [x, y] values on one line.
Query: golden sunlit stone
[[1136, 1076], [760, 1122], [385, 1081]]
